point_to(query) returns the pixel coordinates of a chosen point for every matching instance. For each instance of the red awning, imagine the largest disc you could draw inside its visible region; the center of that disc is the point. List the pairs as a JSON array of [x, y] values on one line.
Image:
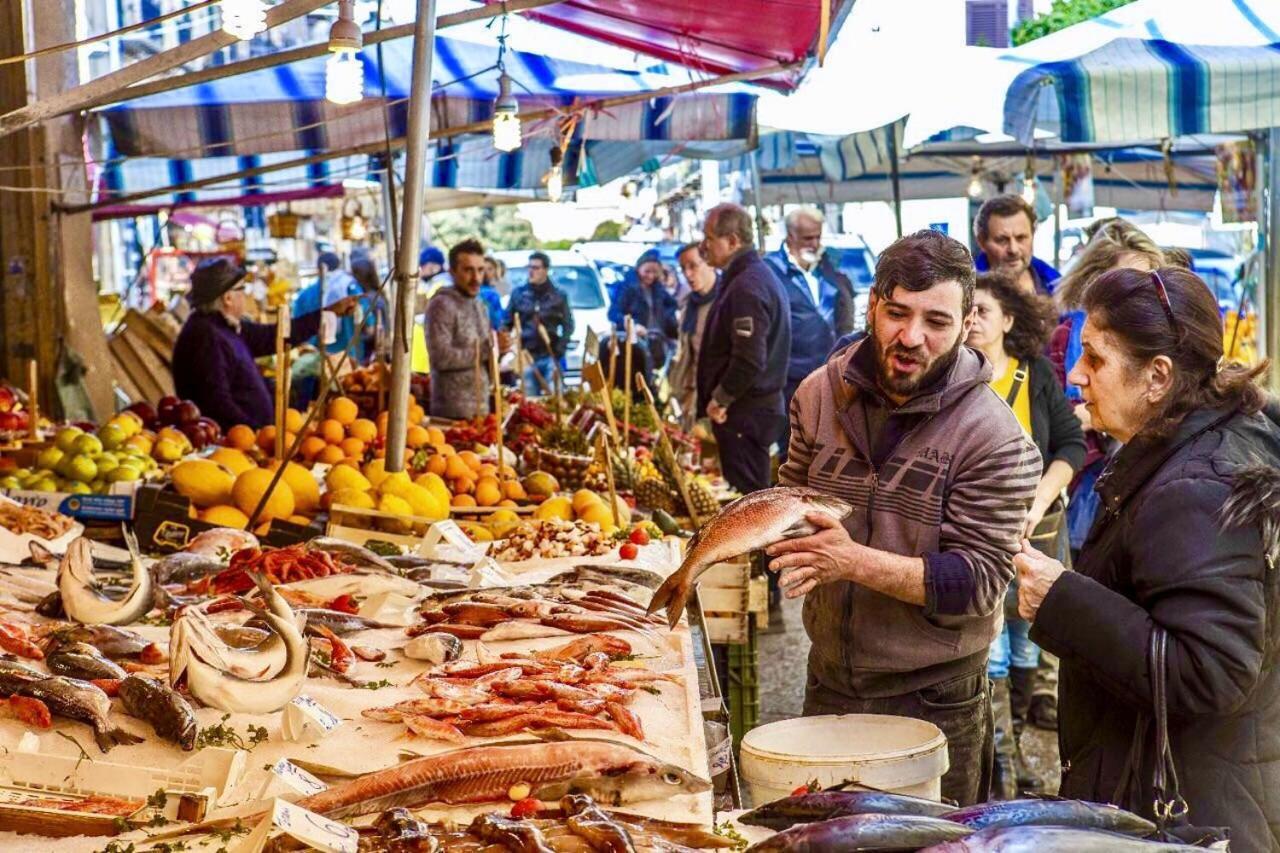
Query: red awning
[[716, 37]]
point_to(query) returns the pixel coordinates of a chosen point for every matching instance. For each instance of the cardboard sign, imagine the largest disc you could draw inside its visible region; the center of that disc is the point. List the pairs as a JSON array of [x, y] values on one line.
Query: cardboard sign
[[390, 608], [447, 534], [306, 719], [311, 829], [590, 347], [287, 779]]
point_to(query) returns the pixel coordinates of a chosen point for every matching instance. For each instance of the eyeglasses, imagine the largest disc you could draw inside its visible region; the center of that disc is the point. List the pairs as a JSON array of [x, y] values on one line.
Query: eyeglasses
[[1163, 295]]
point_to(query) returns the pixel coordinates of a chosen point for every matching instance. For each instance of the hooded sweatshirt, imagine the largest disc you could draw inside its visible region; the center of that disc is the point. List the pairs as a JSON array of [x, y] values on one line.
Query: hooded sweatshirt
[[948, 476]]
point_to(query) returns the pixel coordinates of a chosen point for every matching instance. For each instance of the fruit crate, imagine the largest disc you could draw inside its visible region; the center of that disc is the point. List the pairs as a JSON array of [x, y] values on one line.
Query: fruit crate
[[359, 525], [119, 505], [569, 469], [725, 591], [163, 523]]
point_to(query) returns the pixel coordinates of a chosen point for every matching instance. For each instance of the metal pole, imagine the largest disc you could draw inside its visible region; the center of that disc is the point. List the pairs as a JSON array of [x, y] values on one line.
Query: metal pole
[[1269, 281], [1059, 197], [755, 196], [895, 177], [406, 276]]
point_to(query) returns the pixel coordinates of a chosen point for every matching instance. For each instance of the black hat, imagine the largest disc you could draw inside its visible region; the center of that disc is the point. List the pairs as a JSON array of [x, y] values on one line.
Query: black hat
[[211, 278]]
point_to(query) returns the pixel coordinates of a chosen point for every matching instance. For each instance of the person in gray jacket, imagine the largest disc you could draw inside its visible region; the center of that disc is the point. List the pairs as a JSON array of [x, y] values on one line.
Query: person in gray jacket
[[459, 339], [903, 598]]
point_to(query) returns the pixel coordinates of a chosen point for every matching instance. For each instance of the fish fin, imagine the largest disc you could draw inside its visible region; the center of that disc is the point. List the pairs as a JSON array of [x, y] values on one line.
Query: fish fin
[[553, 735], [665, 595], [114, 736]]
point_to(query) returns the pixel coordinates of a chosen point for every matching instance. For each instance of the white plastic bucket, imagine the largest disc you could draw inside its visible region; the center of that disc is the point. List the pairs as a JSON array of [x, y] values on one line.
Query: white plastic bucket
[[898, 754]]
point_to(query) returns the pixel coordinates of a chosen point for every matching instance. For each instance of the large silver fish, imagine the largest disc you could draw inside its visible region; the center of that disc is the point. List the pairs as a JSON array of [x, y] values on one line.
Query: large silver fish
[[1055, 839], [68, 697], [754, 521], [863, 832], [1031, 812], [220, 689], [82, 600]]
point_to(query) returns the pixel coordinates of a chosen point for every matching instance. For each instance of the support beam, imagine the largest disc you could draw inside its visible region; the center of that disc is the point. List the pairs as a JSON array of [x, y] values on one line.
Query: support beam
[[82, 96], [406, 269], [1269, 283], [399, 142], [309, 51]]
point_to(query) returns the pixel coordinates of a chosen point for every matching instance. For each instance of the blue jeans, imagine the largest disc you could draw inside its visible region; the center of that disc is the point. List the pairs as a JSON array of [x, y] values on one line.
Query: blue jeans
[[545, 365], [1012, 648]]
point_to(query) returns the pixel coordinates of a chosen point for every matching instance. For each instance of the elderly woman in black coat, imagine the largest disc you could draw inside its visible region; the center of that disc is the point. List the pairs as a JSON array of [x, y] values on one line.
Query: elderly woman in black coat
[[1183, 551]]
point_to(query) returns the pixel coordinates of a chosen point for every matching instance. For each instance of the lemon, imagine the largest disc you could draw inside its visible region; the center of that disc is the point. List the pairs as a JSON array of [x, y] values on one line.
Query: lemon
[[345, 477]]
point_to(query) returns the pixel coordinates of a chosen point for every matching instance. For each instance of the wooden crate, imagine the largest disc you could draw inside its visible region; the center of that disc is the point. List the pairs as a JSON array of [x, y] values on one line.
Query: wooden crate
[[729, 595]]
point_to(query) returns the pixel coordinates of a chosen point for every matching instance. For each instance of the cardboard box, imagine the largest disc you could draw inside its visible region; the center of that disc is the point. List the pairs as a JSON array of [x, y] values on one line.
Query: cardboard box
[[164, 524], [117, 506]]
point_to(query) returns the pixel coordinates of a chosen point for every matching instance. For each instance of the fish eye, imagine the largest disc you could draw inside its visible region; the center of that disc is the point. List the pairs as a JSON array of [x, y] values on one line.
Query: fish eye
[[671, 777]]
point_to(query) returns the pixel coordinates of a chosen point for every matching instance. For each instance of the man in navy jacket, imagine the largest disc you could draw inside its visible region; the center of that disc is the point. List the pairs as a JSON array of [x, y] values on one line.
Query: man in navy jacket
[[1003, 229]]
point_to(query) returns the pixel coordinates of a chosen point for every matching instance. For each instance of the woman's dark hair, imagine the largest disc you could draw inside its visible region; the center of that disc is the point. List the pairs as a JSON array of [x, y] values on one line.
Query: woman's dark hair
[[1034, 316], [1128, 304]]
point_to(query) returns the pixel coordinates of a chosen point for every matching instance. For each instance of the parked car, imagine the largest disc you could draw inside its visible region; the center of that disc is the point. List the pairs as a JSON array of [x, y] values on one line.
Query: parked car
[[1221, 271], [578, 277], [859, 264]]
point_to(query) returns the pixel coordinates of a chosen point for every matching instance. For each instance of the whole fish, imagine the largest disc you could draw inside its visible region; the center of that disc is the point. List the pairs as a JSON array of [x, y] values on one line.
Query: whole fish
[[115, 643], [610, 772], [863, 832], [167, 712], [73, 699], [824, 805], [591, 823], [226, 692], [435, 647], [338, 622], [751, 522], [401, 832], [352, 554], [81, 660], [1055, 839], [85, 604], [50, 606], [221, 542], [185, 567], [1074, 813], [510, 833], [25, 587]]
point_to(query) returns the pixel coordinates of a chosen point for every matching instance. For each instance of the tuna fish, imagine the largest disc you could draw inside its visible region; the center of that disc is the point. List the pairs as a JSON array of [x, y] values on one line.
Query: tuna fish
[[1073, 813], [752, 522], [1055, 839], [863, 832], [825, 805]]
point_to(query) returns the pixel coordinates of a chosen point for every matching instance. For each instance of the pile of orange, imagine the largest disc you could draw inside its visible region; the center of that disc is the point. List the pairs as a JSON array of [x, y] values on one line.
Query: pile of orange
[[473, 482], [342, 435]]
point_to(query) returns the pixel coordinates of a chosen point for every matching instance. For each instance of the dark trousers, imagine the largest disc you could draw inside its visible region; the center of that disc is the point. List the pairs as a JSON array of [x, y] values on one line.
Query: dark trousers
[[744, 441], [961, 707]]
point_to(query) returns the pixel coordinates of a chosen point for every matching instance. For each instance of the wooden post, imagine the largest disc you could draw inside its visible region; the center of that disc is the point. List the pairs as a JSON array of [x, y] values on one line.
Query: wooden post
[[555, 373], [602, 446], [282, 376], [495, 377], [33, 399], [676, 468], [613, 360], [626, 386], [477, 385]]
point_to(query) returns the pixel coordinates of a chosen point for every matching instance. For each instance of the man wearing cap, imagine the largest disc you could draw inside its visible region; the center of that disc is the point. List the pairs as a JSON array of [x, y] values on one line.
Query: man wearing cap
[[430, 263], [213, 359]]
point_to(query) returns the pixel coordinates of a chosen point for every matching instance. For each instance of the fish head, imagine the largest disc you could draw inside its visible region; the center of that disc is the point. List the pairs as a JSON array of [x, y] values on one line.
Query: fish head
[[649, 779], [829, 504]]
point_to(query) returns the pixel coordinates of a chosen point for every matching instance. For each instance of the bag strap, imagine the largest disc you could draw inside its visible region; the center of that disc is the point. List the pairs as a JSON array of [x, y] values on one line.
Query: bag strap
[[1019, 379], [1170, 808]]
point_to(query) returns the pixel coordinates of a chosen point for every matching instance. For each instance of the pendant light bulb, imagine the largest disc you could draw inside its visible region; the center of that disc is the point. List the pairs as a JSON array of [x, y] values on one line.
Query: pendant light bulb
[[1029, 189], [244, 19], [344, 72], [555, 184], [975, 188], [506, 117]]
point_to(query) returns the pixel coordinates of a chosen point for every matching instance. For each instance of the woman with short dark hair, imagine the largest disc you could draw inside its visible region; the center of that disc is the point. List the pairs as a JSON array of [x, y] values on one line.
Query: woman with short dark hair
[[1172, 610]]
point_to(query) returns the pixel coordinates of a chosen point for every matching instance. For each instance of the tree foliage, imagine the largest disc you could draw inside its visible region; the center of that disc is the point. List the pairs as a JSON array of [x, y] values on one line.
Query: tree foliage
[[1063, 14], [497, 227]]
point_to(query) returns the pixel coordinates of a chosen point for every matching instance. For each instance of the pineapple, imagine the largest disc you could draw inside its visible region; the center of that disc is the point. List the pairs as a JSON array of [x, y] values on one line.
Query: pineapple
[[703, 500], [655, 494], [665, 465]]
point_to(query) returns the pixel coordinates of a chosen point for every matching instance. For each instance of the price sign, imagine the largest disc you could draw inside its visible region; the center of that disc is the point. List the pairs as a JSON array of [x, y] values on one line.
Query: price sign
[[311, 829]]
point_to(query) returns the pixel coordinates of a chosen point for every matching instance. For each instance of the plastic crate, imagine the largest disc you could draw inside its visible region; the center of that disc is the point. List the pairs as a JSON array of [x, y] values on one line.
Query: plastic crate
[[742, 672]]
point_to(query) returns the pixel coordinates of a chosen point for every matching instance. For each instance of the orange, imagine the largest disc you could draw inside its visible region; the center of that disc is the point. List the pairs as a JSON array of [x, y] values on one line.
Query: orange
[[331, 455], [363, 429], [352, 447], [506, 472], [267, 439], [435, 436], [507, 502], [240, 437], [488, 492], [471, 458], [311, 447], [342, 410], [456, 468], [463, 485], [332, 431], [352, 461], [463, 500], [514, 491], [416, 436], [438, 465], [299, 519], [293, 420], [447, 449], [487, 469]]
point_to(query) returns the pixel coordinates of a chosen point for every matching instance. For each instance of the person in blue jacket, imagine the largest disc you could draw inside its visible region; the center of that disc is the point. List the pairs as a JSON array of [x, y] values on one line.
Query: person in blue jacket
[[820, 297], [652, 310], [1004, 228]]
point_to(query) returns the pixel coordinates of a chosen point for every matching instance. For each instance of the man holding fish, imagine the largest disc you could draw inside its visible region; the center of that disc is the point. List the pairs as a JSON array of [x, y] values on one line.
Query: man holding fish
[[904, 594]]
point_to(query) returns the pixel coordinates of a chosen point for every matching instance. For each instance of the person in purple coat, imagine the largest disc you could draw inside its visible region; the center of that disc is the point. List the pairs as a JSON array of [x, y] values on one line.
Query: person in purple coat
[[213, 358]]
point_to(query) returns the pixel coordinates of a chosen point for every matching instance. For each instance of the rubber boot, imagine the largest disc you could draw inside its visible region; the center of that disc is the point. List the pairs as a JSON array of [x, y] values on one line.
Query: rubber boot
[[1021, 684], [1043, 711], [1004, 782]]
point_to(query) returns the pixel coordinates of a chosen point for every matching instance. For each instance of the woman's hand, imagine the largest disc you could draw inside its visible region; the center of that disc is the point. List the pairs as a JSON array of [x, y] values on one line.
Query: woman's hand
[[1034, 516], [823, 556], [1037, 573], [1082, 415]]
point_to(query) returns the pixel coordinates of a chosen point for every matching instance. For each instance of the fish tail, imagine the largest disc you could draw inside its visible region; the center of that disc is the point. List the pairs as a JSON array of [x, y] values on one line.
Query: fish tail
[[672, 595], [108, 737]]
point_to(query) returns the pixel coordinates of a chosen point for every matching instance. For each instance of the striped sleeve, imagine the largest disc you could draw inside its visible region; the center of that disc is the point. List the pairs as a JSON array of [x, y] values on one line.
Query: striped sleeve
[[982, 521]]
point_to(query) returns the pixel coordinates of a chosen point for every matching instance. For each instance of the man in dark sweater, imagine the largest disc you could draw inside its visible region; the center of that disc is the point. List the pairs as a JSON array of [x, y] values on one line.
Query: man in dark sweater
[[742, 367], [213, 357]]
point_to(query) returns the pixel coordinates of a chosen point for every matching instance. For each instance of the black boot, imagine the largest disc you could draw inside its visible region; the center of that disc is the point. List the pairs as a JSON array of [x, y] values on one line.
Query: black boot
[[1021, 685], [1004, 781]]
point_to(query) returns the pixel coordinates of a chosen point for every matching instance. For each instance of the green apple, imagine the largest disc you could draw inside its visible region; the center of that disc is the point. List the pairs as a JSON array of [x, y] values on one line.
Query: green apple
[[49, 457], [47, 484], [78, 488], [10, 482], [124, 474], [88, 445], [66, 438], [107, 463], [83, 468]]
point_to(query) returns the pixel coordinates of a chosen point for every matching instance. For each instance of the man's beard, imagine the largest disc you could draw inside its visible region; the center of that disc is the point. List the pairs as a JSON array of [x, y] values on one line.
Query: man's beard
[[1016, 266], [905, 386]]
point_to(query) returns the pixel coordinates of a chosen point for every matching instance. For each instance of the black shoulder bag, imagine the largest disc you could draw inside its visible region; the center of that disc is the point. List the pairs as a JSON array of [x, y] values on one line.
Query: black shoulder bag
[[1170, 810]]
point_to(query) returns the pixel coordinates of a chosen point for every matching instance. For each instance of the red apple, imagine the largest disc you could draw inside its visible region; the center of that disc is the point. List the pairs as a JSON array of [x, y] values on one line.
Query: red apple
[[211, 427], [147, 412], [167, 411], [7, 399], [188, 412], [10, 422], [196, 433]]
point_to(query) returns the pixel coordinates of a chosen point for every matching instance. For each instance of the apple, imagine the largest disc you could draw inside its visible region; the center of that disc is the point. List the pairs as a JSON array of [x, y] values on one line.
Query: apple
[[147, 412], [188, 412], [10, 422], [195, 433], [7, 399], [167, 410], [211, 426]]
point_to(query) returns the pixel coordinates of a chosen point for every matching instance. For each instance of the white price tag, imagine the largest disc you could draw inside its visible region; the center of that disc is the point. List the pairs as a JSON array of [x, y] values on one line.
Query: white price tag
[[306, 719], [447, 534], [287, 778], [390, 608], [311, 829]]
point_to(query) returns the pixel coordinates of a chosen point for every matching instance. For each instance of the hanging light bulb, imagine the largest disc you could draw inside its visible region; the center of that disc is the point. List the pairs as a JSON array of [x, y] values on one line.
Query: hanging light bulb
[[344, 72], [244, 19], [1029, 186], [506, 117], [975, 188], [555, 184]]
